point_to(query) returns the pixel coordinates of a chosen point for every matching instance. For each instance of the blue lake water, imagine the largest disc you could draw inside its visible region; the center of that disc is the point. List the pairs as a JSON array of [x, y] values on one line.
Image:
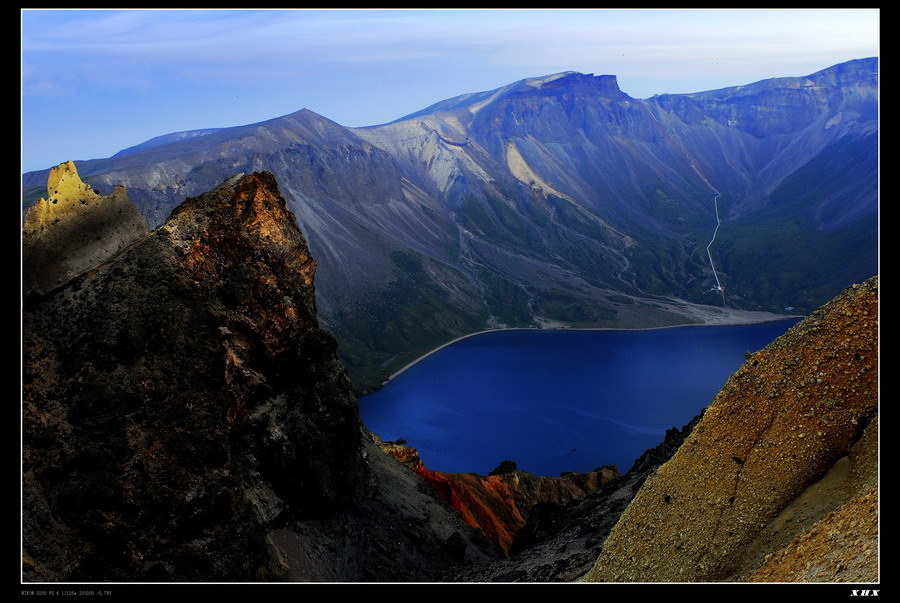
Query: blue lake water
[[557, 401]]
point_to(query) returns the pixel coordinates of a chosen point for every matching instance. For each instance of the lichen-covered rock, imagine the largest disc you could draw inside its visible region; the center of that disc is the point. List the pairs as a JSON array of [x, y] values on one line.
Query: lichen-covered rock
[[780, 423], [180, 399]]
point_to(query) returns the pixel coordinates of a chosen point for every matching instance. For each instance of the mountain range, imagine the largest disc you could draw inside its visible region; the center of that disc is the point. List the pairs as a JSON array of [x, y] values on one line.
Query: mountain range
[[555, 201]]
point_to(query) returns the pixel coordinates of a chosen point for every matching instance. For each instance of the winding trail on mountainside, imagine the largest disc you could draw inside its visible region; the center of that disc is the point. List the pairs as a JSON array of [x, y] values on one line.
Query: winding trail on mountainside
[[667, 134]]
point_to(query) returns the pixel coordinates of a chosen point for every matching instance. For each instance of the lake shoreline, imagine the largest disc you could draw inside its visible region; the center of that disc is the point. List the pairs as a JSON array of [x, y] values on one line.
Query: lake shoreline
[[742, 319]]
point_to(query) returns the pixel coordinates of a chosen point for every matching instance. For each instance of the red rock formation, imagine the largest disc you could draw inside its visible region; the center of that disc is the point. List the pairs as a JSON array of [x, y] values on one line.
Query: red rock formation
[[499, 505]]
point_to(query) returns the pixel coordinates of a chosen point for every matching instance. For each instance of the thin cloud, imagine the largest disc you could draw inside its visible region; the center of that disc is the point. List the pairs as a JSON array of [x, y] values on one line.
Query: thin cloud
[[190, 69]]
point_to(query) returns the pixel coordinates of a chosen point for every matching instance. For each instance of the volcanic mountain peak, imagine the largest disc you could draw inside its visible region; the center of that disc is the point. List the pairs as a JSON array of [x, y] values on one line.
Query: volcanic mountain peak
[[473, 102], [850, 73], [537, 82]]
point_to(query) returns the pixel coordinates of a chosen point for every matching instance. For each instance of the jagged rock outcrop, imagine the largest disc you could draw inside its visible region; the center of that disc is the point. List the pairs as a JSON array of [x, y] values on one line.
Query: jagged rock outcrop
[[499, 504], [790, 439], [185, 418], [74, 229]]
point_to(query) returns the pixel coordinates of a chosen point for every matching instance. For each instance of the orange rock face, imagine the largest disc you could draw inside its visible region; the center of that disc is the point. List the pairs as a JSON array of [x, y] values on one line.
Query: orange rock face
[[499, 505]]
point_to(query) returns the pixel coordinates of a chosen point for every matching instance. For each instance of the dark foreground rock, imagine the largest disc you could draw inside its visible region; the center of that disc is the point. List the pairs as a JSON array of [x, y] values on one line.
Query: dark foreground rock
[[185, 418]]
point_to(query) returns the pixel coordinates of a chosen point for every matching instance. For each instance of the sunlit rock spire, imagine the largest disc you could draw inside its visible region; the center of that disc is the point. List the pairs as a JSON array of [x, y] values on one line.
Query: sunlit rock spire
[[74, 230]]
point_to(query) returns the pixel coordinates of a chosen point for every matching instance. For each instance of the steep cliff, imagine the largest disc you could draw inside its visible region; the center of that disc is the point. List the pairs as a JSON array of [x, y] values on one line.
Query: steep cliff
[[185, 418], [779, 481]]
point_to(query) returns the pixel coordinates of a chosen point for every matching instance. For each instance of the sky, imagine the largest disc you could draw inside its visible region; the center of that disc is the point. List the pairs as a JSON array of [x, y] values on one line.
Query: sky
[[98, 81]]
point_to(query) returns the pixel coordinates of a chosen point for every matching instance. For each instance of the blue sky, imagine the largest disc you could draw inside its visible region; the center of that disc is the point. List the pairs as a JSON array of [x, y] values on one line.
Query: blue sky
[[97, 81]]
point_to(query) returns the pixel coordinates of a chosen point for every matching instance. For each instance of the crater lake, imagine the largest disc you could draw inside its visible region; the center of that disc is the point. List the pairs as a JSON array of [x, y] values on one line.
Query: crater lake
[[558, 400]]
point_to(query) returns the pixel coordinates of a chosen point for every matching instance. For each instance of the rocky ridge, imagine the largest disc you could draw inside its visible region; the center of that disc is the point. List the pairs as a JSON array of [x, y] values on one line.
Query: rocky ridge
[[560, 542], [779, 480]]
